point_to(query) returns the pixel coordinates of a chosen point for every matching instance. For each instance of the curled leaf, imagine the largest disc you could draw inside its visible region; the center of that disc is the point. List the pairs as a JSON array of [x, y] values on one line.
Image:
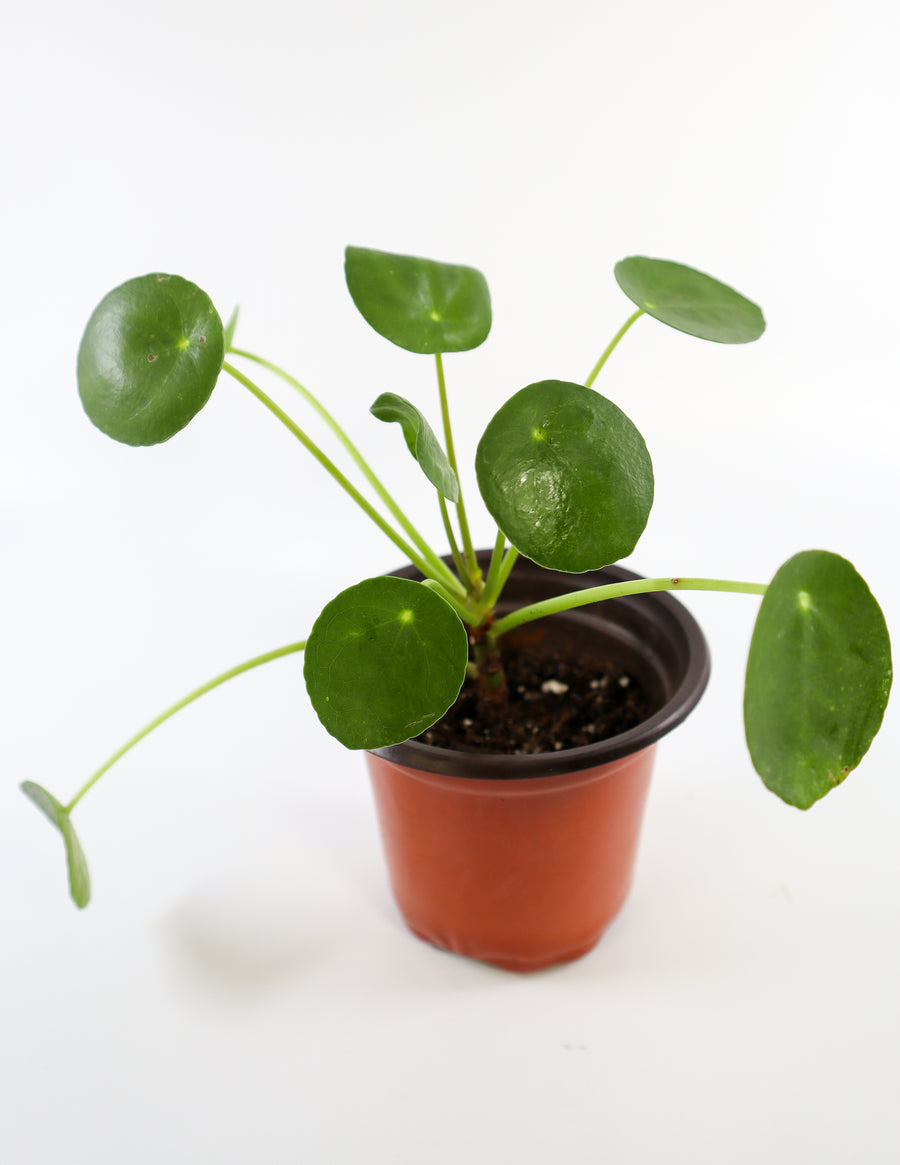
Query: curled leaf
[[818, 677], [420, 441], [79, 878]]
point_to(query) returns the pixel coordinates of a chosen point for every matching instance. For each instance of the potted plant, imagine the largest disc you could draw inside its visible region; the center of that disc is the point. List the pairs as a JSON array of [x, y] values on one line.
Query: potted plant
[[509, 700]]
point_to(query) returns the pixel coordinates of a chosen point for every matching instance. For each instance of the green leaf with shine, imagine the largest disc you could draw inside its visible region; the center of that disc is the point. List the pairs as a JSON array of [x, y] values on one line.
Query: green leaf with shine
[[818, 677], [418, 304], [566, 476], [690, 301], [420, 441], [384, 660], [149, 358], [79, 878]]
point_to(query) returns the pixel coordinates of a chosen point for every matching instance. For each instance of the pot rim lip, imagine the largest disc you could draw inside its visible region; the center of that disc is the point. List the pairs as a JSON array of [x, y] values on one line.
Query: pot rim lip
[[517, 766]]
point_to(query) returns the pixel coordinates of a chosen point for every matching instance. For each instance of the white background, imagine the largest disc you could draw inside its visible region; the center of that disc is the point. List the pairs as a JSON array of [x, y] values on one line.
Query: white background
[[241, 988]]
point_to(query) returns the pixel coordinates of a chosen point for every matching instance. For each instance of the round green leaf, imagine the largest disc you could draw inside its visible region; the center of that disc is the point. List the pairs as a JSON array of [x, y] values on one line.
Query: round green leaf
[[149, 359], [818, 677], [420, 441], [79, 878], [566, 476], [690, 301], [384, 661], [418, 304]]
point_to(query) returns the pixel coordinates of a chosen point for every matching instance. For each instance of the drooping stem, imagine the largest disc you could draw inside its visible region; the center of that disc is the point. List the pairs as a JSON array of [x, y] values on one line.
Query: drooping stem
[[474, 574], [358, 458], [638, 586], [611, 346], [431, 567], [257, 661]]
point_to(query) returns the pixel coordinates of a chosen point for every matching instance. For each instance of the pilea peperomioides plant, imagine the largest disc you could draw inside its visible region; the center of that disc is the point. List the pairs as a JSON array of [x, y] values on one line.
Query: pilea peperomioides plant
[[565, 475]]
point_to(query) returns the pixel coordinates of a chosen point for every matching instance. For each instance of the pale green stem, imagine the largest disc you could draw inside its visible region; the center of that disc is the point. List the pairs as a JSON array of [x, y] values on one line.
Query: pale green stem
[[460, 608], [489, 595], [473, 573], [358, 458], [492, 594], [458, 560], [638, 586], [424, 566], [611, 346], [257, 660]]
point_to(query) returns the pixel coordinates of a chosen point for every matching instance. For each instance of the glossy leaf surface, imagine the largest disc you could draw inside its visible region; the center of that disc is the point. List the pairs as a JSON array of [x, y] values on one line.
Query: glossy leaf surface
[[384, 660], [418, 304], [420, 441], [818, 677], [690, 301], [79, 878], [566, 476], [149, 359]]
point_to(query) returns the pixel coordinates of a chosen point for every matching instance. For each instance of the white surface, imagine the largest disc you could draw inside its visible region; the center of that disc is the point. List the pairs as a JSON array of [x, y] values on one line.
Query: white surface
[[241, 989]]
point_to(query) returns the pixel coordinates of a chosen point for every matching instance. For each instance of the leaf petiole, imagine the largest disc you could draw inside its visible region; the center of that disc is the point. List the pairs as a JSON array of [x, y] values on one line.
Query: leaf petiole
[[611, 347], [494, 589], [455, 553], [364, 467], [473, 573], [464, 613], [640, 586], [430, 567], [495, 562], [256, 661]]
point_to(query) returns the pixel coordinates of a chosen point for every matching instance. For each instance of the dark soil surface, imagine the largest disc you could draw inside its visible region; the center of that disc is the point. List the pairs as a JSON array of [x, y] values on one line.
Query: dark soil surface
[[552, 703]]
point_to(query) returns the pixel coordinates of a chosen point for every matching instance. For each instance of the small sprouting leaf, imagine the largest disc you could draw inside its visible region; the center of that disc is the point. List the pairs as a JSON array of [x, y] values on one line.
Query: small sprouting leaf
[[690, 301], [818, 677], [418, 304], [79, 878], [231, 327], [149, 358], [420, 441], [566, 476], [384, 660]]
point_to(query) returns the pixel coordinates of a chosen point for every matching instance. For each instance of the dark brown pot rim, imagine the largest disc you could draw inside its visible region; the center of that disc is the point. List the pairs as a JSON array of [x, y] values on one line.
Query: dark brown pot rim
[[669, 638]]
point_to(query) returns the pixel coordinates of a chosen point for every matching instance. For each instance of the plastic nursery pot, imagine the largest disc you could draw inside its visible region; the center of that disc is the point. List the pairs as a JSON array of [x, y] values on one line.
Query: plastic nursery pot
[[524, 860]]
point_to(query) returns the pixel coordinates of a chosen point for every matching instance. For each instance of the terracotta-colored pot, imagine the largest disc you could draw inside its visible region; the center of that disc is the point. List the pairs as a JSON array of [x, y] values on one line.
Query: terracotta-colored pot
[[523, 861]]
